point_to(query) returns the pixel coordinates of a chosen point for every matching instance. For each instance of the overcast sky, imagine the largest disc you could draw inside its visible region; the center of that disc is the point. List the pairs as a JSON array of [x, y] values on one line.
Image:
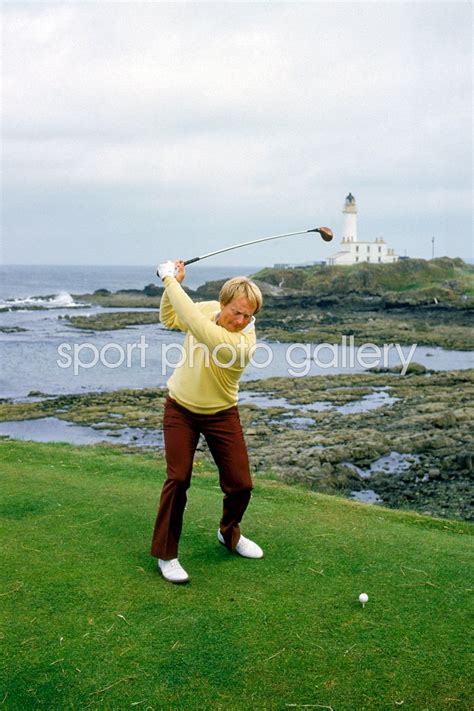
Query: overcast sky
[[136, 132]]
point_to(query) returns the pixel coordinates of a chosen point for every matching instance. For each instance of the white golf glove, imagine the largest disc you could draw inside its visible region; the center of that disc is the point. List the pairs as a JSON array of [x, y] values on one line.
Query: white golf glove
[[167, 269]]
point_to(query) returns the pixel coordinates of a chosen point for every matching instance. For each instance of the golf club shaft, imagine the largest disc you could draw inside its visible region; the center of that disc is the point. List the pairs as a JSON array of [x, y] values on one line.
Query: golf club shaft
[[246, 244]]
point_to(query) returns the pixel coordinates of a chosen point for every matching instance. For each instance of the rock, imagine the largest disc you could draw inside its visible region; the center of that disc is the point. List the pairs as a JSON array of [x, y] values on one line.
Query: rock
[[335, 454], [464, 460], [434, 473], [412, 369], [439, 442], [348, 472], [153, 290], [432, 407], [447, 419], [417, 368], [327, 469], [463, 414]]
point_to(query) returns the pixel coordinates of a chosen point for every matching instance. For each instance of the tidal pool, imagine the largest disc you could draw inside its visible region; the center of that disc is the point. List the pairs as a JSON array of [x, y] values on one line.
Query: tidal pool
[[372, 401], [393, 463], [53, 429], [366, 496]]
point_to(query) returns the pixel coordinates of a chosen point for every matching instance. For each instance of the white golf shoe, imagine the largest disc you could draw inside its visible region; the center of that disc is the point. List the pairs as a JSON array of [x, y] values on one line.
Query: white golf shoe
[[173, 571], [245, 547]]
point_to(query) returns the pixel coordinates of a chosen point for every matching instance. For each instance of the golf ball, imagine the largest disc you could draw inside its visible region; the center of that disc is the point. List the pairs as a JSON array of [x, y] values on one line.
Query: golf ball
[[363, 598]]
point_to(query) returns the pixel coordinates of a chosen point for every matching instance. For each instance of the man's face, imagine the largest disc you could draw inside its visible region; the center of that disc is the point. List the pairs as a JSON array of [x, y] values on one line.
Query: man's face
[[236, 315]]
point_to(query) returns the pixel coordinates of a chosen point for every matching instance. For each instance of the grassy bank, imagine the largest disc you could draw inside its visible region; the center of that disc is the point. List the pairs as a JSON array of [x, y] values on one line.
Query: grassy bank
[[442, 277], [87, 622]]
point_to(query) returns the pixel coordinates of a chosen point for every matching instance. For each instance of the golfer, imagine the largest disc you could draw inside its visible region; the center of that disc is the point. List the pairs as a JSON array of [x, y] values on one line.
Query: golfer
[[202, 398]]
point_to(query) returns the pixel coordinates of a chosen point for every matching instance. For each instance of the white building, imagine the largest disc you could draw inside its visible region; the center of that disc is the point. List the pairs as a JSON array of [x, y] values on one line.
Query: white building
[[353, 250]]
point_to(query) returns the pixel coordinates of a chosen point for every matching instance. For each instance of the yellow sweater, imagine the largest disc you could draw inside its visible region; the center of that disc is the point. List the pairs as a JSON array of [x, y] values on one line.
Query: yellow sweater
[[207, 380]]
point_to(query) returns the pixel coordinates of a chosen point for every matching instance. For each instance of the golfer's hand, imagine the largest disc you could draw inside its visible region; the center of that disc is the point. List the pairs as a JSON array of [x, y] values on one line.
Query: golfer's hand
[[166, 269], [180, 271]]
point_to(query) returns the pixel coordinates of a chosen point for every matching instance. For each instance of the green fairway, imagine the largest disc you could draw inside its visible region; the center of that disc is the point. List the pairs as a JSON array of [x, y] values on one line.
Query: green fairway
[[86, 621]]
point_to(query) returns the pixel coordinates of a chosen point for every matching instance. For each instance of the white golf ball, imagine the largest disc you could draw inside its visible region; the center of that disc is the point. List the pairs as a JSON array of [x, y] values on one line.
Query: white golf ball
[[363, 598]]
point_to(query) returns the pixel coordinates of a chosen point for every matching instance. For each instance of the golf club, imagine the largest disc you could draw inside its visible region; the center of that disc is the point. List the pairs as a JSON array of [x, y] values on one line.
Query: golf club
[[325, 232]]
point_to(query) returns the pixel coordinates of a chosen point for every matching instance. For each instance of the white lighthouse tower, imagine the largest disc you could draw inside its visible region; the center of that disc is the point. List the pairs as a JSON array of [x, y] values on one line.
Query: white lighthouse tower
[[354, 251], [349, 233]]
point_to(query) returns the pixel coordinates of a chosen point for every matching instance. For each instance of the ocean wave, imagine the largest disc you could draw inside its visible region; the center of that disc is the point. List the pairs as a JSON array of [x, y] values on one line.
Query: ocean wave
[[63, 300]]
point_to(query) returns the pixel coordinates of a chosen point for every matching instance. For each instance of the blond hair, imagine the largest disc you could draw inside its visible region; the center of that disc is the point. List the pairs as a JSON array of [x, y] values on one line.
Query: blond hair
[[241, 286]]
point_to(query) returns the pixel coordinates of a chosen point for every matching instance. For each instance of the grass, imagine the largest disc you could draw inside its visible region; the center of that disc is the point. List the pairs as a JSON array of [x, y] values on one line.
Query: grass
[[88, 623], [406, 275]]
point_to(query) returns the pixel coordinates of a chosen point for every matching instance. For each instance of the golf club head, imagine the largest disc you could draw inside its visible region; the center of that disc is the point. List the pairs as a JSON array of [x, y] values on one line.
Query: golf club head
[[325, 232]]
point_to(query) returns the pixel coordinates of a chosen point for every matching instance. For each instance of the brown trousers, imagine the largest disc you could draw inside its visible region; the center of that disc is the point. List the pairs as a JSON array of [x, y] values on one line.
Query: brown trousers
[[225, 439]]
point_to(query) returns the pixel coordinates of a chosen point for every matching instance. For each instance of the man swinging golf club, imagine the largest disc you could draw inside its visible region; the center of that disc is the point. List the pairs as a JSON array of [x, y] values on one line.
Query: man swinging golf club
[[202, 398]]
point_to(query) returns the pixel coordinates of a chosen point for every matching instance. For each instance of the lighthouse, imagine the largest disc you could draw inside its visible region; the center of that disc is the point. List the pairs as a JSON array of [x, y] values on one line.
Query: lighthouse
[[349, 233], [354, 251]]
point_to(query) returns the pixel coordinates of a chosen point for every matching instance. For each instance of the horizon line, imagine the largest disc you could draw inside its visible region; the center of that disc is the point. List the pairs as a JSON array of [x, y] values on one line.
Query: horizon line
[[200, 266], [143, 266]]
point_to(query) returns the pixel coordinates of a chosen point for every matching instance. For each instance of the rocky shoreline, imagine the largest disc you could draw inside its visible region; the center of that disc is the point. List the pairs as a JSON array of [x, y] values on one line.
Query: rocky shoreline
[[403, 441], [305, 321], [414, 450], [321, 304], [406, 440]]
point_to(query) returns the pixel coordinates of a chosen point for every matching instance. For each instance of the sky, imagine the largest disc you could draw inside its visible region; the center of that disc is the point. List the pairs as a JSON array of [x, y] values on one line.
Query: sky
[[135, 132]]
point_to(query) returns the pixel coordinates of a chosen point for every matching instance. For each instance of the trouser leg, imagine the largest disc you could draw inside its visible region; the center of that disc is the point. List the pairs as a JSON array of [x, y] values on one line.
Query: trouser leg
[[226, 442], [181, 436]]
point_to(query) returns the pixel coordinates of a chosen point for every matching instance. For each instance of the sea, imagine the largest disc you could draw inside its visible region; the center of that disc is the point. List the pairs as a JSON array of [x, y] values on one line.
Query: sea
[[35, 302], [42, 355], [27, 282]]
